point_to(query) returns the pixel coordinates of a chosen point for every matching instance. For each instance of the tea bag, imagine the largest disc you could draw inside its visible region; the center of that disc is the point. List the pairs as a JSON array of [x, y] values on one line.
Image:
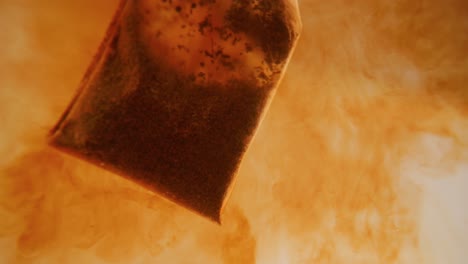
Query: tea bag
[[176, 91]]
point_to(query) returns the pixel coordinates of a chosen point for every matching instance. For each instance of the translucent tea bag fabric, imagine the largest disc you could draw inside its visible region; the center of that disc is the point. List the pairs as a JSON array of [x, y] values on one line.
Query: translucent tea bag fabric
[[175, 93]]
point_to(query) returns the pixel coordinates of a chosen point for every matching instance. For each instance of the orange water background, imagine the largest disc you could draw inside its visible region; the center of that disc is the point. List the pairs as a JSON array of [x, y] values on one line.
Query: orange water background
[[362, 157]]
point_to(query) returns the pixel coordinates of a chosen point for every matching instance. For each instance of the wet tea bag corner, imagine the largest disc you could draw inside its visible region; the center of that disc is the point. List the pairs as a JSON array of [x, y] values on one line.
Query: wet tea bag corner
[[176, 91]]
